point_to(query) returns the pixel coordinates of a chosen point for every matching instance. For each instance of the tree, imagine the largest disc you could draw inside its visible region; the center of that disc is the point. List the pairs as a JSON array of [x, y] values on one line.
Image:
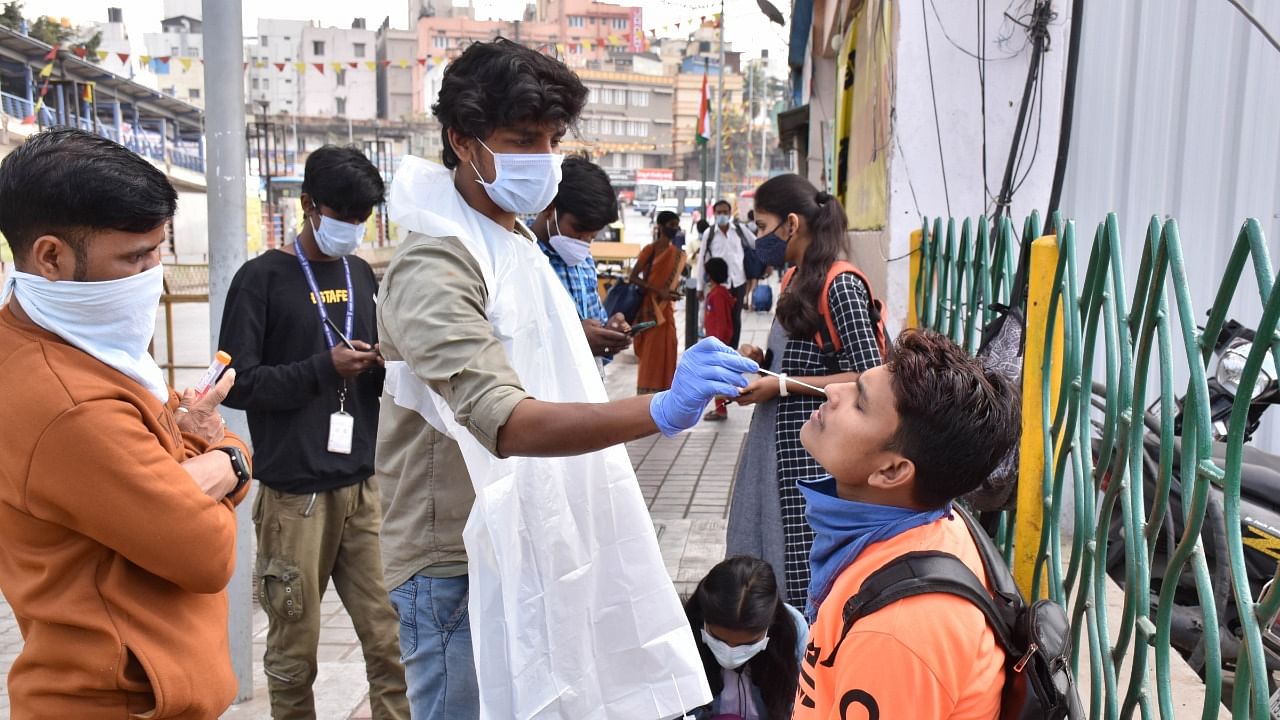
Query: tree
[[52, 32], [11, 16]]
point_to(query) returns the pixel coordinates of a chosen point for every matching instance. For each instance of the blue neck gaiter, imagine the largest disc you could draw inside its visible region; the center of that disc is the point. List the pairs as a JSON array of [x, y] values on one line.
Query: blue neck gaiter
[[844, 528]]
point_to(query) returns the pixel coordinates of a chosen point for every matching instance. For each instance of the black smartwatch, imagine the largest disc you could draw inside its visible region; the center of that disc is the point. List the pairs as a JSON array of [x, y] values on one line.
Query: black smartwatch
[[239, 466]]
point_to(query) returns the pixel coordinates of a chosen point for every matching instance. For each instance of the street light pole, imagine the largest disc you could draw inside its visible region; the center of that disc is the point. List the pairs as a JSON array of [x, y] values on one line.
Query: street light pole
[[720, 105], [225, 179]]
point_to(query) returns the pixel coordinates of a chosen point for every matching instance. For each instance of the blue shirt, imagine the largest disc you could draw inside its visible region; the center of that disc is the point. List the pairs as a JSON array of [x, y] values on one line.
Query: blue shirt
[[581, 282]]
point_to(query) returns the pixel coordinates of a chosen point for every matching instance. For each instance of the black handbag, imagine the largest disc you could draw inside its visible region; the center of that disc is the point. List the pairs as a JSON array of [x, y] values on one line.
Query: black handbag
[[625, 298]]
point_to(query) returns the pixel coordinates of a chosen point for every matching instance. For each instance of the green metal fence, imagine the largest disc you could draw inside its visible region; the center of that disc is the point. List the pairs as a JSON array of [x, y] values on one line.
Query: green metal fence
[[1101, 348]]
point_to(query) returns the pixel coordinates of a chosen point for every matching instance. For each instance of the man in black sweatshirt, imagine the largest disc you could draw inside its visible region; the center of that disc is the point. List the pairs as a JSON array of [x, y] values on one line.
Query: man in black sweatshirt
[[301, 330]]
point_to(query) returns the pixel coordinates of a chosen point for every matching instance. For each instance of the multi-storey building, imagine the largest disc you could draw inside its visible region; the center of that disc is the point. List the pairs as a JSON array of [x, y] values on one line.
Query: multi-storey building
[[340, 78], [397, 55], [273, 77], [176, 51], [626, 124]]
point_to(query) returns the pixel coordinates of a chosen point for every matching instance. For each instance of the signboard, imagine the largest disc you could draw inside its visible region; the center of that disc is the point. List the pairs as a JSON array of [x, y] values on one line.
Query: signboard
[[654, 174], [638, 43]]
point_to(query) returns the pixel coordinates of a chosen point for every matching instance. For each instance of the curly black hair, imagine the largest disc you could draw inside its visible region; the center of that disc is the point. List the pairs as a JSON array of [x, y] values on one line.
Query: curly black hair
[[500, 84], [586, 193]]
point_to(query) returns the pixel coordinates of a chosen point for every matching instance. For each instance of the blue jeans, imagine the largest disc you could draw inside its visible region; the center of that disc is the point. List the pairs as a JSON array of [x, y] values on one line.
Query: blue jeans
[[435, 646]]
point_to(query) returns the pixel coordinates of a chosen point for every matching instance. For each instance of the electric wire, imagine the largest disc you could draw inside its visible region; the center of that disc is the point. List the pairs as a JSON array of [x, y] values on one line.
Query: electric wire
[[937, 125], [1256, 23]]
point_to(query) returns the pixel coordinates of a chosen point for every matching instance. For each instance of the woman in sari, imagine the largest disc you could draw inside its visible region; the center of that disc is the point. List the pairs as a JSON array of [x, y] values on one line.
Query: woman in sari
[[658, 270]]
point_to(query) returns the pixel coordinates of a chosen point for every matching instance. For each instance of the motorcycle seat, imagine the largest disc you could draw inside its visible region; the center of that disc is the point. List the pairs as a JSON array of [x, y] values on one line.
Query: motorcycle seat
[[1259, 472]]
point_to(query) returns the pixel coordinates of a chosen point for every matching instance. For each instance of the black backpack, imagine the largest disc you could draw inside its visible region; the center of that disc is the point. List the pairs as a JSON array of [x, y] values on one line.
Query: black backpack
[[752, 268], [1036, 639]]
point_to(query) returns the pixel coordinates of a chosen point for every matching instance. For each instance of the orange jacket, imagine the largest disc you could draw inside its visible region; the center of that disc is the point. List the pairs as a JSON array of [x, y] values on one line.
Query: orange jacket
[[114, 562], [927, 657]]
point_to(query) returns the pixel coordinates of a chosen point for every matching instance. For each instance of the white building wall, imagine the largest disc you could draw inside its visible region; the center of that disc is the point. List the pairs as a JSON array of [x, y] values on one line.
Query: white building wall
[[183, 76], [916, 179], [1176, 116], [264, 81], [346, 91]]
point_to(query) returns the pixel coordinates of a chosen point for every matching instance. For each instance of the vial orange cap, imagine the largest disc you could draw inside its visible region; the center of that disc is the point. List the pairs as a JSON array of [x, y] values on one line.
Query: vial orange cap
[[223, 358]]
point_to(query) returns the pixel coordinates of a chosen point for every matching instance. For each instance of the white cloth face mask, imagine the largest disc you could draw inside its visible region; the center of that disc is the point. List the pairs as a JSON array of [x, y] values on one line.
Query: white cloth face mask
[[336, 238], [523, 182], [572, 250], [732, 657], [112, 320]]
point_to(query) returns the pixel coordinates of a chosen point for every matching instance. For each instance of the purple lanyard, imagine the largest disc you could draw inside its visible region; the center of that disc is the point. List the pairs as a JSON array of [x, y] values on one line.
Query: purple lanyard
[[315, 293]]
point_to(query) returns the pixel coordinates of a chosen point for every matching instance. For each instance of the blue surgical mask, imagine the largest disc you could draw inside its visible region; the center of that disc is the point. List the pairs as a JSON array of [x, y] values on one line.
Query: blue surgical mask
[[336, 238], [723, 220], [771, 249], [732, 657], [524, 183]]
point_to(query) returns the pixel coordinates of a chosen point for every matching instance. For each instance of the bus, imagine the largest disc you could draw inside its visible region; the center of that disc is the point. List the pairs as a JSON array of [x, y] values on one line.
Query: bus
[[684, 196]]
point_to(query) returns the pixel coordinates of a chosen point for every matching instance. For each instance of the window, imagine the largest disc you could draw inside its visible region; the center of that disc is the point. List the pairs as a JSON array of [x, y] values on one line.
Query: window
[[342, 77], [640, 98], [592, 20], [593, 126], [195, 52], [619, 23], [634, 161], [194, 93], [440, 42], [255, 84], [266, 83], [263, 41], [576, 21], [341, 104], [359, 49], [317, 47], [174, 51]]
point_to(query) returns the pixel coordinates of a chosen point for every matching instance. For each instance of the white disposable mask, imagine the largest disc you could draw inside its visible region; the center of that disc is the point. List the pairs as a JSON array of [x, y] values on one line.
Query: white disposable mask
[[523, 182], [336, 238], [732, 657], [572, 250], [112, 320]]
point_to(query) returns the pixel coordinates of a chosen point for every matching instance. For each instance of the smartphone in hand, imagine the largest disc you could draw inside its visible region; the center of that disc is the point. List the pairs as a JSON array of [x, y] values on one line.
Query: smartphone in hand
[[641, 327], [341, 338]]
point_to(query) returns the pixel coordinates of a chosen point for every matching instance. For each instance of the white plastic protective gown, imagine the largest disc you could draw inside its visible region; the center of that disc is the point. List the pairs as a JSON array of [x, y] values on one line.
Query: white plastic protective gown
[[573, 614]]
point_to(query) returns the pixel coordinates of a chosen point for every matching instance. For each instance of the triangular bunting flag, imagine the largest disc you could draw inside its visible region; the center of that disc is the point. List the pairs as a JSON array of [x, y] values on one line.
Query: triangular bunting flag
[[244, 67], [422, 62], [102, 54], [560, 48], [354, 65], [300, 66], [164, 59], [29, 120], [279, 67], [320, 67], [124, 57], [386, 63], [80, 51], [677, 26], [186, 64], [146, 60], [46, 71], [587, 44], [404, 63], [53, 53], [372, 64], [337, 67]]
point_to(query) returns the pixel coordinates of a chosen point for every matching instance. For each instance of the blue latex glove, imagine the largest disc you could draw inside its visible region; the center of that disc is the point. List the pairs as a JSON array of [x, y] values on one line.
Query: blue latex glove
[[706, 370]]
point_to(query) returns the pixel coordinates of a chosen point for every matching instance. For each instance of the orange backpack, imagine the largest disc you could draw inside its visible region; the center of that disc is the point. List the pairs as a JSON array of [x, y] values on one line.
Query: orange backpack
[[831, 338]]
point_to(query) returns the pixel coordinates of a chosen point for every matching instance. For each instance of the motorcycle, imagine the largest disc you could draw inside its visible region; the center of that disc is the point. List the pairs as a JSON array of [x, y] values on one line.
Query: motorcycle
[[1259, 511]]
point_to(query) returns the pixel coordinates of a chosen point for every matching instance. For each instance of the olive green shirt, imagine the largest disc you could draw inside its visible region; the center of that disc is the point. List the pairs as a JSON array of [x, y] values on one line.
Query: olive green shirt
[[431, 315]]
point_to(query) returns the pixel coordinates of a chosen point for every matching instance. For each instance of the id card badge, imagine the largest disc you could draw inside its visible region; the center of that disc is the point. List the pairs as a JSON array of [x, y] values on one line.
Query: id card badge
[[341, 427]]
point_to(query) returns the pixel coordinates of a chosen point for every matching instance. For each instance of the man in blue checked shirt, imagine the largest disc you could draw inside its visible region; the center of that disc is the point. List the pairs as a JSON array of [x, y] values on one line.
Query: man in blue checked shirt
[[584, 204]]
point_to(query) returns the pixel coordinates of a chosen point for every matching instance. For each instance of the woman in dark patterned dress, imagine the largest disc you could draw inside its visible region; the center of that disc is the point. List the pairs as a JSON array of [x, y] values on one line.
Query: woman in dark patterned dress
[[807, 228]]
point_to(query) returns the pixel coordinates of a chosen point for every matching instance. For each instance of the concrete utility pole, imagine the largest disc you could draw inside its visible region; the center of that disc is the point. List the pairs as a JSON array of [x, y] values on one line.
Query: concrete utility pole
[[720, 108], [225, 174]]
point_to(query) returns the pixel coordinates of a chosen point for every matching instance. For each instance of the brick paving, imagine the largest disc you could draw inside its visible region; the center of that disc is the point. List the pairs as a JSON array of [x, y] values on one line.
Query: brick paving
[[687, 482]]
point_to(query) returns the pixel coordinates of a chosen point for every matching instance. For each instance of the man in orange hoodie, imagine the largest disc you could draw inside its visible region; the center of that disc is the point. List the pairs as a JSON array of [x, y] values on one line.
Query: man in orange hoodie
[[117, 520]]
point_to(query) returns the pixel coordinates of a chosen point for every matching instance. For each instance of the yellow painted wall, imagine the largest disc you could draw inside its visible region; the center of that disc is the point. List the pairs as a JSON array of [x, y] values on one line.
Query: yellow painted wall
[[868, 175]]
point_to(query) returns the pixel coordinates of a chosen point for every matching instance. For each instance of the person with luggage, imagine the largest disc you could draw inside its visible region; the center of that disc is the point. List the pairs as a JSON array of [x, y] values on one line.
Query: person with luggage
[[718, 320], [750, 640], [726, 238], [898, 446], [826, 330]]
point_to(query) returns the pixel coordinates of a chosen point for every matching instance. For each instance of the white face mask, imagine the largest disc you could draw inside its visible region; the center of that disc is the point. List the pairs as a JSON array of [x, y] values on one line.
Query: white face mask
[[732, 657], [572, 250], [523, 183], [112, 320], [336, 238]]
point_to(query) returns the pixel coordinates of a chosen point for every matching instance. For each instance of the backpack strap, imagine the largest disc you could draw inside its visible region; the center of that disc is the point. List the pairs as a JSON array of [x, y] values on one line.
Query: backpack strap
[[922, 573], [827, 336]]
